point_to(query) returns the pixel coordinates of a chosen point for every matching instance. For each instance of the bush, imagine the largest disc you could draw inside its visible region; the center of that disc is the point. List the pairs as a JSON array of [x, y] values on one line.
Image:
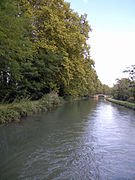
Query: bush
[[8, 115], [23, 107], [131, 99], [50, 100]]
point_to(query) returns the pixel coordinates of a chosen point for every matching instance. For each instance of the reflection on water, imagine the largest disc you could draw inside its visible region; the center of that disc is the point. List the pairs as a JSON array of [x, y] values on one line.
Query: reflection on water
[[87, 139]]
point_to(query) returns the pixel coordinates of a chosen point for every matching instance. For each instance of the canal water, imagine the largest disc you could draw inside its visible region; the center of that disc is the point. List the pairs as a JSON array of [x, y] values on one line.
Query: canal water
[[84, 140]]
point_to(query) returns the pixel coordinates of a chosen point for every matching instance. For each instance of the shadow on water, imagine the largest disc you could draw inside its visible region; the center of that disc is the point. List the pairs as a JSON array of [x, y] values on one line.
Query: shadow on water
[[87, 139]]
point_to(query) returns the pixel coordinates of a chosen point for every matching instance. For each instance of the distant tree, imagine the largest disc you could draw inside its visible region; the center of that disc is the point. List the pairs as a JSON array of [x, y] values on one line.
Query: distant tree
[[131, 71], [106, 89], [122, 89]]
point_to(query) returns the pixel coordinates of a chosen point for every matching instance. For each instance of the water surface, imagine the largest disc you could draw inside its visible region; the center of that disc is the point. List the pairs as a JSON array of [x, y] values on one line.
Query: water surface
[[87, 139]]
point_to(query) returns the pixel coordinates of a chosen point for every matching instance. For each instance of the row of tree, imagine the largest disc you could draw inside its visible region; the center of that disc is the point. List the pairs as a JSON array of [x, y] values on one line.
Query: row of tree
[[124, 89], [43, 48]]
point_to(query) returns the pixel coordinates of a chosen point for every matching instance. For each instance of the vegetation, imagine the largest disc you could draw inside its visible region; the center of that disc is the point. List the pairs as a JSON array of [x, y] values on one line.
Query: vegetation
[[21, 108], [105, 89], [125, 88], [123, 91], [122, 103], [43, 48]]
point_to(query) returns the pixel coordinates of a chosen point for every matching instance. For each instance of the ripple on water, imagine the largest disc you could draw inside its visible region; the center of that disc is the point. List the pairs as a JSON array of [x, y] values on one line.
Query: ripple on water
[[86, 140]]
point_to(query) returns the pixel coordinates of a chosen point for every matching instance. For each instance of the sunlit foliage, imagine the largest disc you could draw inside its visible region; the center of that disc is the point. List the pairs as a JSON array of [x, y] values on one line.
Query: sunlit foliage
[[43, 48]]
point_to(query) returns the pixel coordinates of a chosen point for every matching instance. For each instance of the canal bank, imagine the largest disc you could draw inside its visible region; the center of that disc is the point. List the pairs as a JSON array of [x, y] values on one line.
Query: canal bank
[[122, 103], [20, 108]]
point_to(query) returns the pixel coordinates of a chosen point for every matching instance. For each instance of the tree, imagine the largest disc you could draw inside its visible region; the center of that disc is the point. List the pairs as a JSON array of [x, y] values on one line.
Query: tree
[[106, 89], [131, 71], [49, 50], [121, 90], [62, 32], [15, 47]]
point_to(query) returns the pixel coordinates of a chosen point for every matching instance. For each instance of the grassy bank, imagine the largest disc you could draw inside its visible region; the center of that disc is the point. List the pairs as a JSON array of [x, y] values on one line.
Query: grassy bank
[[24, 107], [122, 103]]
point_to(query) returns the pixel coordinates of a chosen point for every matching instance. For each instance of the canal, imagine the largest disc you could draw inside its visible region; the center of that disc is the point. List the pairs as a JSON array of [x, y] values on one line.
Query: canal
[[84, 140]]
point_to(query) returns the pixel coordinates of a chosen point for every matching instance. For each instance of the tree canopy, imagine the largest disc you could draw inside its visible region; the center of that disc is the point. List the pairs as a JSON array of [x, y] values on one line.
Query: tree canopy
[[124, 89], [43, 48]]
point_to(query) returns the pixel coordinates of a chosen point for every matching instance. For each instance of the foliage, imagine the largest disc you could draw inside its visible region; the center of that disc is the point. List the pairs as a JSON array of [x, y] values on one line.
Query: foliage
[[22, 107], [15, 47], [106, 89], [123, 103], [122, 89], [125, 88], [14, 111], [50, 100], [131, 99], [131, 71], [43, 48]]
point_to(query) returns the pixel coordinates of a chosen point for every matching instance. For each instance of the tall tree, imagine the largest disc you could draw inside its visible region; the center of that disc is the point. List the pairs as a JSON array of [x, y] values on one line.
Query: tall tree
[[122, 89], [15, 46], [58, 29], [131, 71], [49, 51], [106, 89]]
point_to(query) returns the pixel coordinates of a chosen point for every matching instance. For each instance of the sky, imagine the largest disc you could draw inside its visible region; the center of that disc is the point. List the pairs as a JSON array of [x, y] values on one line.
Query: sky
[[112, 39]]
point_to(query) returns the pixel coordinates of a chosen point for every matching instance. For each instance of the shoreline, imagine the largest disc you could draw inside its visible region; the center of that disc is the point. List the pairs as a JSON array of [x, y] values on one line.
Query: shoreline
[[122, 103], [19, 109], [15, 111]]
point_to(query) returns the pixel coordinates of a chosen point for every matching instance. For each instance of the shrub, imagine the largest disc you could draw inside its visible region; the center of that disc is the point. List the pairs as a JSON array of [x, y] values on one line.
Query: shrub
[[23, 107], [8, 115], [131, 99]]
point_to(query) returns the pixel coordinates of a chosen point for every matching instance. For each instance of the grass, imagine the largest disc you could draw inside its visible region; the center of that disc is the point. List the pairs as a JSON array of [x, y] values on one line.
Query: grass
[[23, 107], [122, 103]]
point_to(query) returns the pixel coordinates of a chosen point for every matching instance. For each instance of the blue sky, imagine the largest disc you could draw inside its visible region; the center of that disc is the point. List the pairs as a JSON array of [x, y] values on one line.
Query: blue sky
[[112, 39]]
